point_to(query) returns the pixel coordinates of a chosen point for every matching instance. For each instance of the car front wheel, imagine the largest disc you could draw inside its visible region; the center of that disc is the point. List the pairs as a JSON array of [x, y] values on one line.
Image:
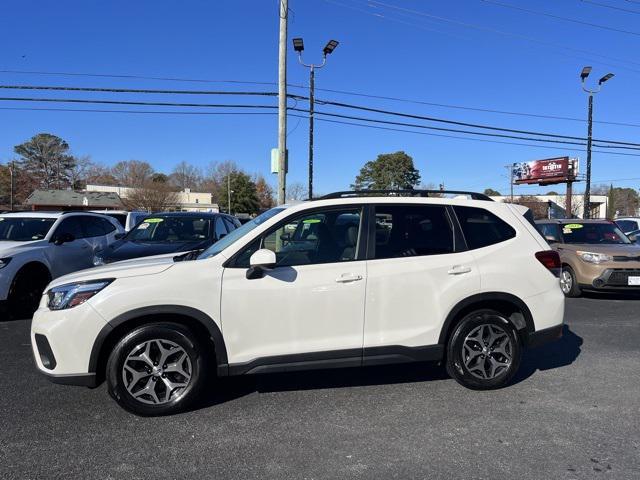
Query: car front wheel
[[484, 351], [157, 369]]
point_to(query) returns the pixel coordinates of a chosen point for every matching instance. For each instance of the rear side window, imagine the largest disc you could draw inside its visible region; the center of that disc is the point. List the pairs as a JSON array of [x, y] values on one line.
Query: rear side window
[[549, 230], [482, 228], [221, 230], [410, 231], [627, 225], [120, 217], [93, 227], [230, 225]]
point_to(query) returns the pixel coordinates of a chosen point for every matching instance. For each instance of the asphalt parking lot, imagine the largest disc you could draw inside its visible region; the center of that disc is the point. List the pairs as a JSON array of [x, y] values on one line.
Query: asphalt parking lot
[[573, 413]]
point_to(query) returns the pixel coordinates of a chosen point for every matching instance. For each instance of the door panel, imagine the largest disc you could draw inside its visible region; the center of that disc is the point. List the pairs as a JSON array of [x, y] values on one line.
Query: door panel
[[415, 275], [312, 301], [299, 309]]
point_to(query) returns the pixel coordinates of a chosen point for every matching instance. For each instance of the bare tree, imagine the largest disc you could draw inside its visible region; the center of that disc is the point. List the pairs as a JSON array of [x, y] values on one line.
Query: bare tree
[[152, 196], [185, 175], [132, 173], [78, 173], [264, 192], [297, 191]]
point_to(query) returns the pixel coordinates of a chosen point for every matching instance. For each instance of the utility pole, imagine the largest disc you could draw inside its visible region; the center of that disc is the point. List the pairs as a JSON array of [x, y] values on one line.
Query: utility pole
[[591, 92], [229, 192], [282, 102], [11, 168], [298, 46], [510, 169]]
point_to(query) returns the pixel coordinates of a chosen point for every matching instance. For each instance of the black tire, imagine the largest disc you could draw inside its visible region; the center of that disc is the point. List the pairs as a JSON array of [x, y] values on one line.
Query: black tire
[[474, 364], [569, 284], [26, 291], [166, 401]]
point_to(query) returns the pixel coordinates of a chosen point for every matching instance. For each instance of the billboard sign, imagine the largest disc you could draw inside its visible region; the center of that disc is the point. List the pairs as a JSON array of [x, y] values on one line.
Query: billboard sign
[[549, 170]]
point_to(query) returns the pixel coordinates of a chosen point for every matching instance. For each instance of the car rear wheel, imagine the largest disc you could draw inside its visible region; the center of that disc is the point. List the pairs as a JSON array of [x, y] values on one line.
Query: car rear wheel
[[568, 282], [157, 369], [484, 351]]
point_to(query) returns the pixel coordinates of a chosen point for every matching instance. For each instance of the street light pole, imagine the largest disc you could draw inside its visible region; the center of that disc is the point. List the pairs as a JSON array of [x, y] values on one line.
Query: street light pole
[[298, 46], [591, 92]]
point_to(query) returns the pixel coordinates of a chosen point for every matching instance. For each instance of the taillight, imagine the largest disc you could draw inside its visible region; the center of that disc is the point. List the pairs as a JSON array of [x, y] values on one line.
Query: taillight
[[551, 260]]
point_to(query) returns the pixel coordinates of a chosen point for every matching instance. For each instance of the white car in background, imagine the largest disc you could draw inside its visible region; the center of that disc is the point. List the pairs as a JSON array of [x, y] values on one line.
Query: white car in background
[[343, 281], [628, 224], [36, 247]]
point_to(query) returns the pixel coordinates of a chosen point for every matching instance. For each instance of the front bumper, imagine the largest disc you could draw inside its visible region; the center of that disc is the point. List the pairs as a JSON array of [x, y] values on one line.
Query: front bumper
[[62, 342], [542, 337], [615, 279]]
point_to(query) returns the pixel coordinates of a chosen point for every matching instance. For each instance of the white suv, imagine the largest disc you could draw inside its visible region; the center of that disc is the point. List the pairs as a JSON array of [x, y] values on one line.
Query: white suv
[[343, 281], [38, 246]]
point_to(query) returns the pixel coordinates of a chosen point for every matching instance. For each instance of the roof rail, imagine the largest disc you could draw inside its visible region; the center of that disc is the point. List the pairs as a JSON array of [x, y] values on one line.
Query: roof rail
[[403, 193]]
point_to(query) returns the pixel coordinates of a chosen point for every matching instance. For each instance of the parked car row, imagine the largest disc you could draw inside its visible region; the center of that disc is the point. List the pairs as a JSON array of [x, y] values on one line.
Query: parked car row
[[37, 247]]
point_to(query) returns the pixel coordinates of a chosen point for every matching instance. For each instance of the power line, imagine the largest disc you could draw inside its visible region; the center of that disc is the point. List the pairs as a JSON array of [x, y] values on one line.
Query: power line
[[558, 17], [342, 92], [611, 6], [135, 90], [125, 102], [456, 122], [327, 102], [509, 34], [159, 112], [461, 138]]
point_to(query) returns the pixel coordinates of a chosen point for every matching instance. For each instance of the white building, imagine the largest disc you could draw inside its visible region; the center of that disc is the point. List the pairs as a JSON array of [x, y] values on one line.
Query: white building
[[557, 204], [187, 201]]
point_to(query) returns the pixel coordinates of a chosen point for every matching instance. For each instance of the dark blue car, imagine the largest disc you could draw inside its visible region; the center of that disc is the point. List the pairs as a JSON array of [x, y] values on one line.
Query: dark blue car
[[172, 232]]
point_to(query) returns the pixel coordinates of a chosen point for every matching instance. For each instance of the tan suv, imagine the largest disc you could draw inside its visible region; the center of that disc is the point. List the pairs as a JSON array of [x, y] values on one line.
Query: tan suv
[[595, 255]]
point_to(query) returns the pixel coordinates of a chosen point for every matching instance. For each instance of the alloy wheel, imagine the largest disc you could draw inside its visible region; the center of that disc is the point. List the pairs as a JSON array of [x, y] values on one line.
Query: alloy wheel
[[566, 281], [487, 351], [157, 371]]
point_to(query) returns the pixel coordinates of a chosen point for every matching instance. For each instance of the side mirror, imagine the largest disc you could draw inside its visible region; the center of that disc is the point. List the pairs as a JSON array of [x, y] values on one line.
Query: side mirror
[[63, 238], [261, 261], [551, 239]]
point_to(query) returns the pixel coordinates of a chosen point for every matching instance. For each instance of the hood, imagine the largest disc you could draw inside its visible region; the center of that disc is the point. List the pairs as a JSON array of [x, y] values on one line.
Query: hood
[[131, 268], [125, 249], [9, 248], [629, 250]]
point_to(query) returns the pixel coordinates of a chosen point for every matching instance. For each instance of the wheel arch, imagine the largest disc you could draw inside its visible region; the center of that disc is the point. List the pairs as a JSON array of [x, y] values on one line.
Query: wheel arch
[[198, 321], [508, 304]]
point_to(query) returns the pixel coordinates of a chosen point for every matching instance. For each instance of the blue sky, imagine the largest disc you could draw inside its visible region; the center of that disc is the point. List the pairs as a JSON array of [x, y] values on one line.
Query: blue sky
[[385, 49]]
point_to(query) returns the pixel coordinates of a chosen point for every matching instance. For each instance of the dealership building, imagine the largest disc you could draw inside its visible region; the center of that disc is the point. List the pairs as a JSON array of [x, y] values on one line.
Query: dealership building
[[185, 201]]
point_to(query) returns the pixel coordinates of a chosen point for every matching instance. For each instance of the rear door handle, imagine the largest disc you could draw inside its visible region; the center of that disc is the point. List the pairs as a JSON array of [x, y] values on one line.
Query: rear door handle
[[348, 277], [459, 269]]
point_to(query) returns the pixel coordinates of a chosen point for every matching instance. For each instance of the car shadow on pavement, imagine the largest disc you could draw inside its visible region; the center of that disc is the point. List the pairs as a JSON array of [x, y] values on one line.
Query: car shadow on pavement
[[231, 388], [611, 295], [552, 355]]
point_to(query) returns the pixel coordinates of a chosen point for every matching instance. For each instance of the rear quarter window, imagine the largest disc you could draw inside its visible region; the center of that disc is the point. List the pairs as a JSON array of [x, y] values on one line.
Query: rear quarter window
[[482, 228]]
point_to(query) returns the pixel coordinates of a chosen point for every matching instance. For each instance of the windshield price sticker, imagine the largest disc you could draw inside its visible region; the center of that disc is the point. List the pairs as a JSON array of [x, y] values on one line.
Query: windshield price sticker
[[153, 220], [143, 226], [572, 226]]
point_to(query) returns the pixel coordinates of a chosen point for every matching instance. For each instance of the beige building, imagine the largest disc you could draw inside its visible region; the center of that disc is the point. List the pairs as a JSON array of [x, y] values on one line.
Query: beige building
[[187, 201]]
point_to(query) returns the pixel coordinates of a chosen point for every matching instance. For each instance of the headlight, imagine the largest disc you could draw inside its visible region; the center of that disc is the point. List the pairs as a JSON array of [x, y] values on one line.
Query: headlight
[[592, 257], [74, 294], [4, 261], [98, 260]]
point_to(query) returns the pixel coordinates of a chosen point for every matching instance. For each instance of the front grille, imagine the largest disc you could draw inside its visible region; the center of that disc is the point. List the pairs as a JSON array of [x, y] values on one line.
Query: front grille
[[620, 278]]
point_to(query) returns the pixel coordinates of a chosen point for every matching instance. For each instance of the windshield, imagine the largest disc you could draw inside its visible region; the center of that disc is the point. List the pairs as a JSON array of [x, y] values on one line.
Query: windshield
[[238, 233], [594, 233], [171, 229], [24, 229]]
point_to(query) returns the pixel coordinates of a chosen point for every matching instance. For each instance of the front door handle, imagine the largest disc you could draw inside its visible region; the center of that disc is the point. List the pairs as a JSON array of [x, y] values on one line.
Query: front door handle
[[459, 269], [348, 277]]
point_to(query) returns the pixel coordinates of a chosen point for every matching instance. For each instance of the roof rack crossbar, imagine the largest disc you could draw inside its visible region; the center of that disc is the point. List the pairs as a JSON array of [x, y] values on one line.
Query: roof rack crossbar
[[403, 193]]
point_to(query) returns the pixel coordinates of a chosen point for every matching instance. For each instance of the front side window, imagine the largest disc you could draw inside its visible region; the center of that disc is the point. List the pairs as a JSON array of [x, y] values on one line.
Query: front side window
[[93, 227], [415, 230], [328, 236], [482, 228], [24, 229], [70, 226]]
